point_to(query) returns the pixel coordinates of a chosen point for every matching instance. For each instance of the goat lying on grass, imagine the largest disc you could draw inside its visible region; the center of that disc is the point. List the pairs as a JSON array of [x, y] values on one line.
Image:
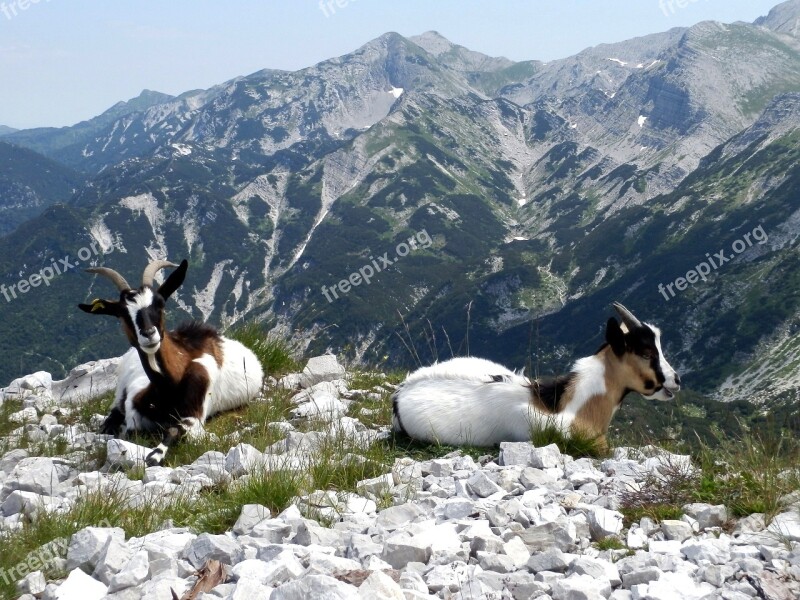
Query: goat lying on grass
[[171, 381], [475, 401]]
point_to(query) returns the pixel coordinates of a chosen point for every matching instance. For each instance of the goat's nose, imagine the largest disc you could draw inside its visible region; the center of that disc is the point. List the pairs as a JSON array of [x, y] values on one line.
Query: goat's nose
[[149, 332], [677, 379]]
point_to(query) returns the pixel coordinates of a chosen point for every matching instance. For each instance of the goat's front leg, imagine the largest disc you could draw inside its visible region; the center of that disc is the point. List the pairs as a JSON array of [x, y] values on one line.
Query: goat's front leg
[[172, 435], [189, 414], [115, 421], [187, 426]]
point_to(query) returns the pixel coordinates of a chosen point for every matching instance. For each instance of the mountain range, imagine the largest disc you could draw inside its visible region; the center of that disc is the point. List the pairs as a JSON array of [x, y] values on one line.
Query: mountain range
[[542, 193]]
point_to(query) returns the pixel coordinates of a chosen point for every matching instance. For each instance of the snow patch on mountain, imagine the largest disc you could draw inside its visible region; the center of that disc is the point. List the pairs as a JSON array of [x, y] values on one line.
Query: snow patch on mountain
[[182, 149]]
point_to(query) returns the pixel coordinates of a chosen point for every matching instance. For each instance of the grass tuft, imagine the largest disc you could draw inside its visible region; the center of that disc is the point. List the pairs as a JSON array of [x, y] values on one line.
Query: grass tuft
[[576, 443], [748, 473], [277, 355], [610, 543], [219, 508]]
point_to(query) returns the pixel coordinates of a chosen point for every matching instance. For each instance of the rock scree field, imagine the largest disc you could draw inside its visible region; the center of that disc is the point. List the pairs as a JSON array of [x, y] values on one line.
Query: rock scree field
[[307, 494]]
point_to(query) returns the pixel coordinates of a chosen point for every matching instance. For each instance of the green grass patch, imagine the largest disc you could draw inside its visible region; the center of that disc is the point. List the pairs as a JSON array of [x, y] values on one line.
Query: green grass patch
[[656, 512], [610, 543], [218, 509], [6, 425], [277, 355], [105, 508], [402, 446], [575, 443], [748, 473], [82, 412]]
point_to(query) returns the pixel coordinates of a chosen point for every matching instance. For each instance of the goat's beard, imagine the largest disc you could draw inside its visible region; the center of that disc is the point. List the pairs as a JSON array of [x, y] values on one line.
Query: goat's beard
[[151, 349], [662, 394]]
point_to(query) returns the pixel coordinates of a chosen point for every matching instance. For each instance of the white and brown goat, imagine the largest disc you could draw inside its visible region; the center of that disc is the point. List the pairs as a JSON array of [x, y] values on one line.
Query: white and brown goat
[[171, 381], [475, 401]]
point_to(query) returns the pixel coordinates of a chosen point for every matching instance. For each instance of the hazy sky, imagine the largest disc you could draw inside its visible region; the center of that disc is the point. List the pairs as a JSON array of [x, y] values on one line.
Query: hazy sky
[[62, 61]]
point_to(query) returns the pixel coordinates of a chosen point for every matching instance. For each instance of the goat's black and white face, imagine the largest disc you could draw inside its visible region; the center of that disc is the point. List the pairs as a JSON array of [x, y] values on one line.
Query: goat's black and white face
[[144, 322], [638, 345], [141, 310]]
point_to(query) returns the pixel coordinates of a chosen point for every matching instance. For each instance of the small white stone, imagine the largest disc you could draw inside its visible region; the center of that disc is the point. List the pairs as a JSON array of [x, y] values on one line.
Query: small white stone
[[321, 368], [547, 457], [379, 586], [80, 586], [125, 454], [33, 583]]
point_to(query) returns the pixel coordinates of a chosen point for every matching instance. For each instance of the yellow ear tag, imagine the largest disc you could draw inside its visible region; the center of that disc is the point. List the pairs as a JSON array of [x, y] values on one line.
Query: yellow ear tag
[[97, 304]]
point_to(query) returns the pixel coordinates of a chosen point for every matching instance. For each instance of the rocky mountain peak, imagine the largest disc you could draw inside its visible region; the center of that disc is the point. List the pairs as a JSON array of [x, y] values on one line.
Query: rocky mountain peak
[[146, 99], [784, 18], [433, 42], [458, 57]]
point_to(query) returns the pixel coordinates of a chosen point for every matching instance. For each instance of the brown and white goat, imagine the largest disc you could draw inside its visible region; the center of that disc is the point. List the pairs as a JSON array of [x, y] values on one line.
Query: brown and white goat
[[171, 381], [475, 401]]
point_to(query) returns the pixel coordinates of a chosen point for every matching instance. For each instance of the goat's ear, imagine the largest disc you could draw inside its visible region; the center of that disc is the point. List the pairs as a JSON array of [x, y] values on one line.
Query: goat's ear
[[174, 281], [102, 307], [615, 337]]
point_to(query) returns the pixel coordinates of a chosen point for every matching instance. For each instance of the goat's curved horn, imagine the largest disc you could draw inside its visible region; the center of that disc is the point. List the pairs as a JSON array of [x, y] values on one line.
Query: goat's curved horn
[[153, 268], [111, 274], [627, 317]]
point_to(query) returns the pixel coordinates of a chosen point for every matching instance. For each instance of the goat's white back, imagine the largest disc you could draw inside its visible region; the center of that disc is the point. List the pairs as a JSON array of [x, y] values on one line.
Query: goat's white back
[[236, 382], [461, 367], [460, 401]]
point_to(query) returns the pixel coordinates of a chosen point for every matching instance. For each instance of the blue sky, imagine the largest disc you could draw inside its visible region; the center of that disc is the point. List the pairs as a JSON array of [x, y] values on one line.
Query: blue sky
[[62, 61]]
